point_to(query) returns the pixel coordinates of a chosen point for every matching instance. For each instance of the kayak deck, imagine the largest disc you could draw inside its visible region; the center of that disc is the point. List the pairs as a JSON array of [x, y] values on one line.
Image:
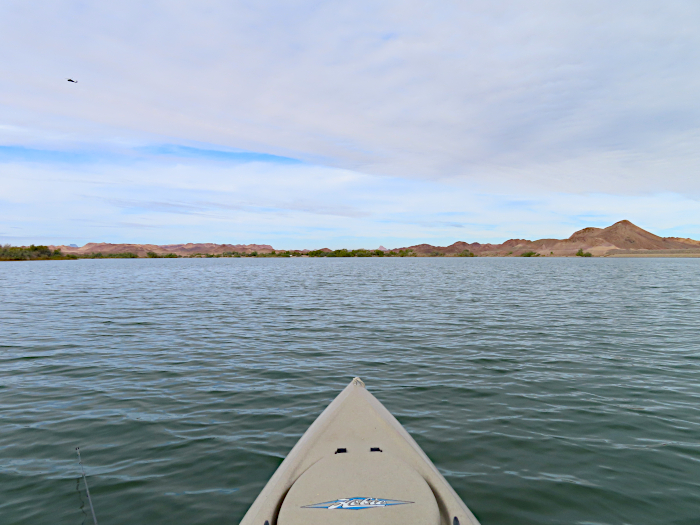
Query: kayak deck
[[356, 464]]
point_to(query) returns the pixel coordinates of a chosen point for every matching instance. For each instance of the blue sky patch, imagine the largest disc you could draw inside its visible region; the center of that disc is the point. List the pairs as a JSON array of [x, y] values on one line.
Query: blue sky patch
[[50, 156], [174, 150], [22, 154]]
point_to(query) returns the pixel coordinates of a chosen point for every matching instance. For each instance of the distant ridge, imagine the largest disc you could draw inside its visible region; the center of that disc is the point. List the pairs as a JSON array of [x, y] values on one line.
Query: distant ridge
[[178, 249], [623, 237]]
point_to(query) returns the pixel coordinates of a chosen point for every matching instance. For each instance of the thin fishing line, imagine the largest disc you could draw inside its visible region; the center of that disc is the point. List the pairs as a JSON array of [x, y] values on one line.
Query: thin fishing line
[[80, 497], [87, 489]]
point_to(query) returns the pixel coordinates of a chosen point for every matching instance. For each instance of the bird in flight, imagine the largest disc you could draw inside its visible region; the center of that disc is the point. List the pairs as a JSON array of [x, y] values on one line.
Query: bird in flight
[[71, 80]]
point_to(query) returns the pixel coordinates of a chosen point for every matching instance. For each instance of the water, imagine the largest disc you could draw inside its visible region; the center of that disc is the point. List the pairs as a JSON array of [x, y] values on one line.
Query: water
[[547, 391]]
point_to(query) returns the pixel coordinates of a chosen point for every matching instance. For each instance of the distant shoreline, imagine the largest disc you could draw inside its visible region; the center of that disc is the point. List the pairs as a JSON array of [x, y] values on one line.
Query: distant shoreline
[[622, 239], [60, 257], [654, 255]]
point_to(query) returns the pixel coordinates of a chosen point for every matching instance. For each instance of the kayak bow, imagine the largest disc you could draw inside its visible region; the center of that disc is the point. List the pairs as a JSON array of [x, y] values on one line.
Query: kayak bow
[[356, 464]]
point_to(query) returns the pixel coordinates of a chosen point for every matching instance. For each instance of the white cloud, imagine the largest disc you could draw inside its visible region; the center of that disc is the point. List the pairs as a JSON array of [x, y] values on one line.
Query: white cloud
[[299, 206], [414, 109], [420, 90]]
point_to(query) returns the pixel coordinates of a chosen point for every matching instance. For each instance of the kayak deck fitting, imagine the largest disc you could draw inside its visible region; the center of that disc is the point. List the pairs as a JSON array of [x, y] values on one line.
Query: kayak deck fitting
[[356, 464]]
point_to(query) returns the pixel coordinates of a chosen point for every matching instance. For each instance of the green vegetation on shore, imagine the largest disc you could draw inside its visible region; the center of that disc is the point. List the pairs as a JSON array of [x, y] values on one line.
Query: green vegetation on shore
[[315, 253], [361, 253], [44, 253], [273, 253], [31, 253], [100, 255]]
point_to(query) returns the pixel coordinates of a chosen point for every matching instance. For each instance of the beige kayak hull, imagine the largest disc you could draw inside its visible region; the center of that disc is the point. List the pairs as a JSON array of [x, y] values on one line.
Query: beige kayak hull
[[356, 464]]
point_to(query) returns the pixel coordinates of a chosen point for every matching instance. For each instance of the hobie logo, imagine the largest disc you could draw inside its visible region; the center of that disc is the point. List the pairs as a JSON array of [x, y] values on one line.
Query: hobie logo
[[356, 504]]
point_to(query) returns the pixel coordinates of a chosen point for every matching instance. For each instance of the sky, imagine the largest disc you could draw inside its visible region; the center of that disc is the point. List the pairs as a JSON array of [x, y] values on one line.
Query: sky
[[308, 124]]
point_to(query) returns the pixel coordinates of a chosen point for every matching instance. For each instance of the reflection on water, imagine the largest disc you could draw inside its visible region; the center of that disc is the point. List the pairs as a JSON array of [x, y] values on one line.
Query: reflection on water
[[547, 391]]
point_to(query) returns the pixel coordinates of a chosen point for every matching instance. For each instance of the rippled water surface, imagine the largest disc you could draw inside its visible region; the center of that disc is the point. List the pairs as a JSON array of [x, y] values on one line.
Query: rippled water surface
[[559, 391]]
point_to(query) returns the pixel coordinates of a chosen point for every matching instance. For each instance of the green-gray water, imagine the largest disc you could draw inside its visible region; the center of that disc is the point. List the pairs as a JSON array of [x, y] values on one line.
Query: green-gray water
[[547, 391]]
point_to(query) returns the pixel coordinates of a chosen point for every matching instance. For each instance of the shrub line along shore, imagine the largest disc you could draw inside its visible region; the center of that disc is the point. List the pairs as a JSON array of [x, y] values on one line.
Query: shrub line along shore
[[45, 253], [622, 239]]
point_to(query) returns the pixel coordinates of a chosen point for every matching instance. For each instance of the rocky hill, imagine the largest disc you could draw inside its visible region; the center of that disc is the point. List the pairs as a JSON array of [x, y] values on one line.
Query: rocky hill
[[178, 249], [622, 236]]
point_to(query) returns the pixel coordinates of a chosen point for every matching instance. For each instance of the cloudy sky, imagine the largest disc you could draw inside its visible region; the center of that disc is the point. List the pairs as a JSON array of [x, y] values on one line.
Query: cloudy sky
[[304, 124]]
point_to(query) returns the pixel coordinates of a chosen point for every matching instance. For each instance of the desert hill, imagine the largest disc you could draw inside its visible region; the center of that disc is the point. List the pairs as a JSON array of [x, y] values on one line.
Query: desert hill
[[685, 241], [178, 249], [623, 236]]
